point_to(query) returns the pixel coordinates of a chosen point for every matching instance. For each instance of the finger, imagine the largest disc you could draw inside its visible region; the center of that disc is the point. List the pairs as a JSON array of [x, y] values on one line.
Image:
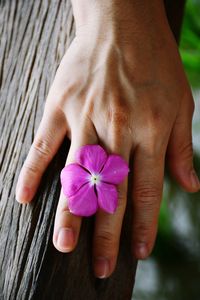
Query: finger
[[108, 226], [148, 172], [50, 134], [180, 152], [107, 236], [67, 225]]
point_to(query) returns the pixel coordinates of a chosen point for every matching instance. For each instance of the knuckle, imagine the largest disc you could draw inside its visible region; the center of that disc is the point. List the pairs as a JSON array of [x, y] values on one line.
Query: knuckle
[[152, 141], [147, 193], [154, 134], [121, 196], [105, 239], [118, 116], [142, 231], [30, 167], [42, 148], [186, 150], [155, 118], [64, 211], [39, 152], [154, 146], [119, 125], [60, 94]]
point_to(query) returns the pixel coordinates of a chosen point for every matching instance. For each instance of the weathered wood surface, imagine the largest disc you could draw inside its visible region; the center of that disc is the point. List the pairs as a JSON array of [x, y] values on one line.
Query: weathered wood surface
[[34, 35]]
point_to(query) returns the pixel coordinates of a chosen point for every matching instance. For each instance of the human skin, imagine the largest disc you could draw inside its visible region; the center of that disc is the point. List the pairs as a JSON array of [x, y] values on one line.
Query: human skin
[[120, 84]]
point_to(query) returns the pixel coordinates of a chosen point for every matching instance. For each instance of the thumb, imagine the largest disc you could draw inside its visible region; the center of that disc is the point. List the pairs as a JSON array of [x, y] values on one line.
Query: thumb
[[180, 150]]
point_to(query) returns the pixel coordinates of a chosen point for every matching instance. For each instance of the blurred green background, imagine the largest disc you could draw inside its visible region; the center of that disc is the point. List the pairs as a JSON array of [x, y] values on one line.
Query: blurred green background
[[173, 270]]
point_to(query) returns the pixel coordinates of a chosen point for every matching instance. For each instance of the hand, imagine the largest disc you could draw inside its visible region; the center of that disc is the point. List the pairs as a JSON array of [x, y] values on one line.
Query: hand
[[120, 84]]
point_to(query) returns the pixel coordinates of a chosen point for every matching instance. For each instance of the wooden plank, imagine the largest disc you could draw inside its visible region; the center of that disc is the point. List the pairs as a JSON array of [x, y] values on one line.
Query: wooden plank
[[34, 35]]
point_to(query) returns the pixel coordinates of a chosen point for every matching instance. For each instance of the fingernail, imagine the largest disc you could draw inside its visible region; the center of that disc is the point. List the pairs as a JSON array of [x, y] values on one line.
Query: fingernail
[[141, 250], [22, 194], [101, 267], [65, 239], [195, 180]]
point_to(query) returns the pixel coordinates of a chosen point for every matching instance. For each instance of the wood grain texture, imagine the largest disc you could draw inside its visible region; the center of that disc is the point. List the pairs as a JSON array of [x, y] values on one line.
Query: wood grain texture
[[34, 34]]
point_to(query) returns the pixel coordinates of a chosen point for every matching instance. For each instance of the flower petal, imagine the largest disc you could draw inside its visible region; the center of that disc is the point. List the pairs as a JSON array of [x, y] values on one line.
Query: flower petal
[[84, 202], [107, 197], [73, 177], [115, 169], [91, 157]]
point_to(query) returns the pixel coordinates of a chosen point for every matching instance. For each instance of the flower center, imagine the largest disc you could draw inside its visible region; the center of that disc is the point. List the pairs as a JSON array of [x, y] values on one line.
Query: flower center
[[95, 179]]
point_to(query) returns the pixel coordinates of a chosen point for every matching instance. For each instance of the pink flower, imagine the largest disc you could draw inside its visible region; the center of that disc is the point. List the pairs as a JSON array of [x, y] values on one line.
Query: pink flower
[[91, 183]]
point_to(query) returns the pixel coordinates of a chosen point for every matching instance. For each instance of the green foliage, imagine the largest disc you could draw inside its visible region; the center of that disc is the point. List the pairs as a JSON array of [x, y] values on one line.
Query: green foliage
[[190, 42], [165, 219]]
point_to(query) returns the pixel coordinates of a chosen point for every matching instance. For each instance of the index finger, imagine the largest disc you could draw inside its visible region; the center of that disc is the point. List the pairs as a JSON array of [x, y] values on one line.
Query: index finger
[[50, 134]]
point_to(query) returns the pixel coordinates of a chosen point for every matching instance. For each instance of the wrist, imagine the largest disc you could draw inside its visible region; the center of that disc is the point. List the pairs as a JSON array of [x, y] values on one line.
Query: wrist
[[116, 18]]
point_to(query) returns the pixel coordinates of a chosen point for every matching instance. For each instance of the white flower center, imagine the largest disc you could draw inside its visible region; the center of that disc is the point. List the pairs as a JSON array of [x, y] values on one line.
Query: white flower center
[[95, 179]]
